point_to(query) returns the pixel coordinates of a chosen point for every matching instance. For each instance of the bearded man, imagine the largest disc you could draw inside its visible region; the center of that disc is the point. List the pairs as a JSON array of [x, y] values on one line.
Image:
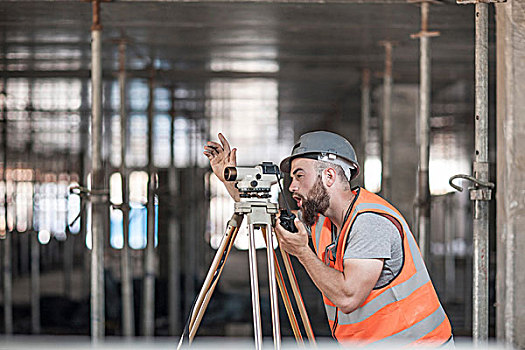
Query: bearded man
[[365, 262]]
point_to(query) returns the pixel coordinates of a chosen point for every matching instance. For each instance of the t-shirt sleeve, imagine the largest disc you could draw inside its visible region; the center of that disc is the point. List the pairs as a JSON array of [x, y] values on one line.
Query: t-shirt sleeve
[[370, 237]]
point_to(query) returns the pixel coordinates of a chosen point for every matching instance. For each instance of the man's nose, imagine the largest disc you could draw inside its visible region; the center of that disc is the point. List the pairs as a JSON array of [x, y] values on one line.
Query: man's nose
[[292, 188]]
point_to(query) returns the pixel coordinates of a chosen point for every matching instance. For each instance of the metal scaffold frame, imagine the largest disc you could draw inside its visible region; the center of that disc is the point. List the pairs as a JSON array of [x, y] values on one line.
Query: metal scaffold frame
[[98, 196], [386, 123], [128, 313], [422, 206], [481, 193]]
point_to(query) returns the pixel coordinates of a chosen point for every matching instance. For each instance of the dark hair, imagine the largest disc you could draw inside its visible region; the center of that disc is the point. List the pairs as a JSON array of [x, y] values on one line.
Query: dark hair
[[321, 165]]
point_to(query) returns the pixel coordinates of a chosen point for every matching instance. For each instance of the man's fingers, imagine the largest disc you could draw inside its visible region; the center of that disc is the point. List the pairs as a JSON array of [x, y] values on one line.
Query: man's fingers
[[225, 143], [211, 150], [215, 145], [233, 156]]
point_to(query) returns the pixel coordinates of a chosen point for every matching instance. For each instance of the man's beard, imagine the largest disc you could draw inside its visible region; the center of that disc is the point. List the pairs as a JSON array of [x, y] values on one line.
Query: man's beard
[[317, 203]]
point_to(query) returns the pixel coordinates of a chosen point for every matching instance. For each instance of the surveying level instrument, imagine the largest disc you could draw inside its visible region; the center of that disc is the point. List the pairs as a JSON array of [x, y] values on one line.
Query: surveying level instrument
[[254, 189]]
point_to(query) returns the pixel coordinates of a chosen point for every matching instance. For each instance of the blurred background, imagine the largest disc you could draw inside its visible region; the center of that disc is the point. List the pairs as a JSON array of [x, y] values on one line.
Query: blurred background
[[173, 75]]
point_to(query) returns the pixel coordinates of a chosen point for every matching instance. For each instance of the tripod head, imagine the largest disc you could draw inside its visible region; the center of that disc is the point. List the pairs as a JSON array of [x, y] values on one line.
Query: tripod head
[[253, 182]]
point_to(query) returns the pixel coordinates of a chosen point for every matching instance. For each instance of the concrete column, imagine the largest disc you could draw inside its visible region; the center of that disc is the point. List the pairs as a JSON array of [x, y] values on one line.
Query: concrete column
[[510, 187]]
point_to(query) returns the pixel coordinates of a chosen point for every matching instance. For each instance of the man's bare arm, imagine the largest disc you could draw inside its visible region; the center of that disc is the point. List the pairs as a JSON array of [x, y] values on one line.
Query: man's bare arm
[[348, 289]]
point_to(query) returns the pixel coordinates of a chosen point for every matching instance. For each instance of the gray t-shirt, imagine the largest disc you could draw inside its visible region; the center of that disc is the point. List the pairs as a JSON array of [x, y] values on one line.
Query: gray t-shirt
[[375, 237]]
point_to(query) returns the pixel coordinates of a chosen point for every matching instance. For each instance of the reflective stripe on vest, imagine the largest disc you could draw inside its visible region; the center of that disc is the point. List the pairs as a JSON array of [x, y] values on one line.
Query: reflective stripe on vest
[[406, 309], [318, 228]]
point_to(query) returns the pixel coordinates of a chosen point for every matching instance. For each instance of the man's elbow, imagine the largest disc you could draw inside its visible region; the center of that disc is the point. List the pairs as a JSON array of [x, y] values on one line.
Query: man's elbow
[[348, 305]]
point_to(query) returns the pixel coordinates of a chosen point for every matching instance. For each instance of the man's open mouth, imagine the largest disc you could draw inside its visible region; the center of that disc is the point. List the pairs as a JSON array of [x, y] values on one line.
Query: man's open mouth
[[299, 200]]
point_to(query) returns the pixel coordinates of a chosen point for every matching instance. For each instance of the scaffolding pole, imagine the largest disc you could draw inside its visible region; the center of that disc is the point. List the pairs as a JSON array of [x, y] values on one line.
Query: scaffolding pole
[[33, 236], [480, 289], [365, 113], [422, 205], [35, 283], [480, 194], [174, 236], [148, 319], [386, 135], [128, 313], [68, 259], [7, 251], [97, 176]]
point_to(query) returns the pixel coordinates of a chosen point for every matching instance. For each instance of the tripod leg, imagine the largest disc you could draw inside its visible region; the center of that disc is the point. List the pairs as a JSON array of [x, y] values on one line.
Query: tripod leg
[[226, 243], [298, 297], [209, 292], [286, 299], [254, 283], [273, 289]]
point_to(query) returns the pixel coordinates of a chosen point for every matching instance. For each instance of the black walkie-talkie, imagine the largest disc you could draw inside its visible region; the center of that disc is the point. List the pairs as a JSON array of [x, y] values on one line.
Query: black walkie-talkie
[[286, 216]]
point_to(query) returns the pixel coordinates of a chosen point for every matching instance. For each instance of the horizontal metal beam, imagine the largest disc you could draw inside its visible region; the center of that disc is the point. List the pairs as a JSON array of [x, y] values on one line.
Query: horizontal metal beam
[[455, 72]]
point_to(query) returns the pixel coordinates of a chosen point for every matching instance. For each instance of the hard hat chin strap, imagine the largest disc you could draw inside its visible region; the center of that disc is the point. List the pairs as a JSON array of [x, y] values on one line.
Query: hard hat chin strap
[[343, 163]]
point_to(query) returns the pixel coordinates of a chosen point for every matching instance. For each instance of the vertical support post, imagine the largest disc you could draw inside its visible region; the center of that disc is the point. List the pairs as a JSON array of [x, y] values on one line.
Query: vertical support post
[[480, 194], [174, 239], [35, 283], [422, 205], [128, 313], [7, 253], [148, 319], [34, 245], [386, 153], [450, 258], [365, 112], [85, 206], [481, 172], [190, 258], [68, 246], [423, 191], [97, 176]]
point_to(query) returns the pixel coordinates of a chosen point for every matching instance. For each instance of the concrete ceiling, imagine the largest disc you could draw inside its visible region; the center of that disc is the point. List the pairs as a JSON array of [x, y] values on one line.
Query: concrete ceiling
[[315, 50]]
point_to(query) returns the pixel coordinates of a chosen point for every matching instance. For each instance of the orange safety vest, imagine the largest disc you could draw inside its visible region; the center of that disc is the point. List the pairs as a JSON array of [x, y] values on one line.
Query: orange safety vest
[[406, 310]]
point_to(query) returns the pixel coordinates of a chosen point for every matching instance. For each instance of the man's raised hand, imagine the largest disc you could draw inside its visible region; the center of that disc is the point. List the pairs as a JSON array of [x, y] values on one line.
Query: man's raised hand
[[220, 155]]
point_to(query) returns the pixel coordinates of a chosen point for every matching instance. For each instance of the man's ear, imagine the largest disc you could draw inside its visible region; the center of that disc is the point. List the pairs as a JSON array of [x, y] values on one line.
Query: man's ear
[[330, 176]]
